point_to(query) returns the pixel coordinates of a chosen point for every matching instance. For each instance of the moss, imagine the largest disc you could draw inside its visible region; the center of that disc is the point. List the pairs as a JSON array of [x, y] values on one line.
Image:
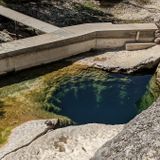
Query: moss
[[150, 96], [4, 133], [29, 99], [90, 4], [75, 81]]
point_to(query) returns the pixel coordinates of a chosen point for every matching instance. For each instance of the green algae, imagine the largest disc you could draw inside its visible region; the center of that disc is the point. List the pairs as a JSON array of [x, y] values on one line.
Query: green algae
[[152, 93], [98, 82], [28, 95]]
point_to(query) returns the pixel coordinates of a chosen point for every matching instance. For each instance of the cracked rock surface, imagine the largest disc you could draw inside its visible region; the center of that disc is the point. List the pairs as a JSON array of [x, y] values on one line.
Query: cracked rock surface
[[64, 143], [22, 135]]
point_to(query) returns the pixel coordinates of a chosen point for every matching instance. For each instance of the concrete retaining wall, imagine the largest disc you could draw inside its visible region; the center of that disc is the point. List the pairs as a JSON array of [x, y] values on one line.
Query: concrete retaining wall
[[69, 41]]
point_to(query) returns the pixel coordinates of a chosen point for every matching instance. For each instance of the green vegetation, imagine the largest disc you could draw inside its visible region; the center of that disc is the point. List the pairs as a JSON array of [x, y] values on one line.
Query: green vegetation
[[150, 96], [28, 96], [75, 81], [89, 4], [28, 99]]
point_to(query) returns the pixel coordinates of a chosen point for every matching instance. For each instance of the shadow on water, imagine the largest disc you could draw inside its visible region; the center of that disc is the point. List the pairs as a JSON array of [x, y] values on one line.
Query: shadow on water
[[34, 72], [111, 99], [28, 74]]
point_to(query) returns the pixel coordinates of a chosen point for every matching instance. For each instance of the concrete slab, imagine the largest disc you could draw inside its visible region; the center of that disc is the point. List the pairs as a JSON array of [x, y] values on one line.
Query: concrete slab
[[27, 20], [107, 33], [88, 27], [108, 30], [69, 41], [100, 27]]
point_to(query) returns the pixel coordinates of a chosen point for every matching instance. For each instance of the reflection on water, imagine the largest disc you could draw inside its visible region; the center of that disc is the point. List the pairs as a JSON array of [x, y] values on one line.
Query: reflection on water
[[104, 98]]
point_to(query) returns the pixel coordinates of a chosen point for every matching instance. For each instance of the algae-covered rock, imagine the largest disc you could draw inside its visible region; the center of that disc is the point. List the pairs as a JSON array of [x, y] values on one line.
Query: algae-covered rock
[[24, 97], [151, 94]]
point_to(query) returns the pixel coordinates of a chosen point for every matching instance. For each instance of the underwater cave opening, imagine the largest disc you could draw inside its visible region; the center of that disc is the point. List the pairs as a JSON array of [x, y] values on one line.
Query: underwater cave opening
[[102, 98]]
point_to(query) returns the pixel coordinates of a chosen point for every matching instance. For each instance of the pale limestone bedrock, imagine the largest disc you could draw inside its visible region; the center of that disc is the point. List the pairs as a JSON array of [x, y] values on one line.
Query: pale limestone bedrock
[[64, 143], [139, 140], [123, 61]]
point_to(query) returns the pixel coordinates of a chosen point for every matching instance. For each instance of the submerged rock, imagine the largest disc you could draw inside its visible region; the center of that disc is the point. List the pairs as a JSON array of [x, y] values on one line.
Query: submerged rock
[[64, 143]]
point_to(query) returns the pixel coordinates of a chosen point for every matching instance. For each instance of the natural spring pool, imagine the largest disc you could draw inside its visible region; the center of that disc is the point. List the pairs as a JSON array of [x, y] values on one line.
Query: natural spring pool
[[100, 97]]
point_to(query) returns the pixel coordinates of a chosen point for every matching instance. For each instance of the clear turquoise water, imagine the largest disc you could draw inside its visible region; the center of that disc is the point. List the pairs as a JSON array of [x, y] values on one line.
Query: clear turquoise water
[[110, 99]]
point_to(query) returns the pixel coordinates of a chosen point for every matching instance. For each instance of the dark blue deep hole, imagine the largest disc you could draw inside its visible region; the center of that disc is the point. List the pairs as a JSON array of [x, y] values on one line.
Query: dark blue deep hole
[[111, 100]]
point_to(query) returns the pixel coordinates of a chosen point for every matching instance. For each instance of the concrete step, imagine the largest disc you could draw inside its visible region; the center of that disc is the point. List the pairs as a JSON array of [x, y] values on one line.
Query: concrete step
[[138, 46]]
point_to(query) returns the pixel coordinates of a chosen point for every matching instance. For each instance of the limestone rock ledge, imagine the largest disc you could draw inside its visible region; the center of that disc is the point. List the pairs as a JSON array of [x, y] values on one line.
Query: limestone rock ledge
[[139, 140], [72, 142], [122, 61]]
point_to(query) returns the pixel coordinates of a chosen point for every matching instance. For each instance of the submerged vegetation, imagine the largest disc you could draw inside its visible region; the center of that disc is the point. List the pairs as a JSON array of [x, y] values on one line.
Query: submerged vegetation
[[31, 97], [30, 94], [27, 99], [151, 94], [95, 96]]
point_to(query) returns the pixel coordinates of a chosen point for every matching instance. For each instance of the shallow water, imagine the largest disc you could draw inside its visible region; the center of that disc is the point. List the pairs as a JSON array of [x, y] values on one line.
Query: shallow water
[[104, 98]]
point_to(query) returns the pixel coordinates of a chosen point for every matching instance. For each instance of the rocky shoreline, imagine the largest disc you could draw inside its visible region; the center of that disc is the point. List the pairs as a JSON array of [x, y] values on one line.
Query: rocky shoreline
[[121, 61], [139, 139], [64, 143], [72, 141]]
